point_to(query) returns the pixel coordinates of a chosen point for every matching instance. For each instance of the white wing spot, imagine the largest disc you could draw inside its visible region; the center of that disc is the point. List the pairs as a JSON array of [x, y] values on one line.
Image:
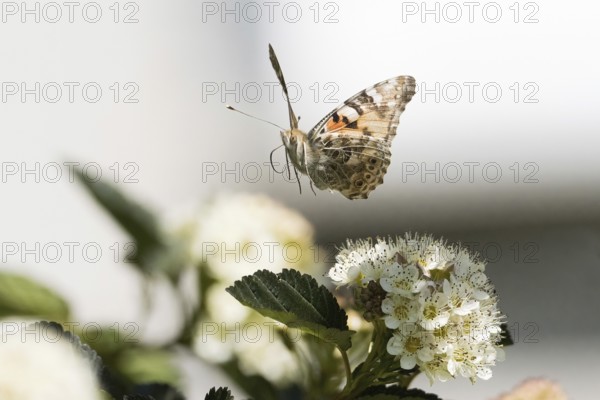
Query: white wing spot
[[350, 113], [375, 95]]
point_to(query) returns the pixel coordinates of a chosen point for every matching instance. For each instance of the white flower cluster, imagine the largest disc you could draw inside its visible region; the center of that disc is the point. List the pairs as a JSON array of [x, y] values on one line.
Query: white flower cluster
[[235, 235], [35, 365], [438, 302]]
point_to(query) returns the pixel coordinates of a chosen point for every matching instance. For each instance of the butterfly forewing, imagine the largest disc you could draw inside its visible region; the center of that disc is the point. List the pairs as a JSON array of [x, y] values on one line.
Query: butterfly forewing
[[354, 139], [374, 111]]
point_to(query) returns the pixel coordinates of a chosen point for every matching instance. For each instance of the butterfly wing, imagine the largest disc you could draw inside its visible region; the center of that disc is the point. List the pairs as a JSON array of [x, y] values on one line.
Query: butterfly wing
[[354, 139], [350, 164], [279, 73]]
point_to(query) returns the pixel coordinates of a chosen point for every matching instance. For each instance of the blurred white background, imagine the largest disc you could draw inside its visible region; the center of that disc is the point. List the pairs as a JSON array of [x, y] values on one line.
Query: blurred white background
[[514, 97]]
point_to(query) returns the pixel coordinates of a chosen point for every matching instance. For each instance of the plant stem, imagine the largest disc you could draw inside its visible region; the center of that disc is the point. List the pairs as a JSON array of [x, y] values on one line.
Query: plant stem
[[346, 367]]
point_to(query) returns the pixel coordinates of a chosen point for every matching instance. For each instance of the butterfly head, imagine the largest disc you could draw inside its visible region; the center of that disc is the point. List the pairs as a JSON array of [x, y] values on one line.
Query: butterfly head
[[296, 143]]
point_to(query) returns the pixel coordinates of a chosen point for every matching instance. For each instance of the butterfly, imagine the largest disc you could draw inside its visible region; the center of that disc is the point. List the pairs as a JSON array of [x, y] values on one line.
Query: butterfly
[[349, 149]]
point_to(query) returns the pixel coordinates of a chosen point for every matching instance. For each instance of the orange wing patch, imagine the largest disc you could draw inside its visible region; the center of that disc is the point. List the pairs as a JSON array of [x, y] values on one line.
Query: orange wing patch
[[339, 121]]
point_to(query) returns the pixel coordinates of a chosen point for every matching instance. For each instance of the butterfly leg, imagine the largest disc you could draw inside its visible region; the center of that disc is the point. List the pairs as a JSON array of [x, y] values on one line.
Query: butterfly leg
[[298, 179], [287, 163]]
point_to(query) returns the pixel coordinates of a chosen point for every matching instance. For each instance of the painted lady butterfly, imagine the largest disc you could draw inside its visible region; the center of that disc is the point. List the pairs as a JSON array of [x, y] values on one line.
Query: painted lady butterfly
[[349, 150]]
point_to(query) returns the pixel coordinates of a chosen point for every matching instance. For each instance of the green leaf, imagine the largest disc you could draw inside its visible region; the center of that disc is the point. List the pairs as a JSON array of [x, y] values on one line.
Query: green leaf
[[296, 300], [155, 391], [109, 387], [21, 296], [395, 393], [507, 339], [85, 351], [154, 250], [141, 365], [219, 394], [256, 386]]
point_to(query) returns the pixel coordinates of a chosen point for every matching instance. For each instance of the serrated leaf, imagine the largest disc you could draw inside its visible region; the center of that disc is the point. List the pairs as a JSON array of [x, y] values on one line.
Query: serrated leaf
[[108, 385], [89, 354], [154, 250], [85, 351], [21, 296], [507, 339], [296, 300], [219, 394]]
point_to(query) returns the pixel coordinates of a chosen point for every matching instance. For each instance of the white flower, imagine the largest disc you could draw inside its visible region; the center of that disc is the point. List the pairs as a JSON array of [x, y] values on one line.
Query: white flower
[[270, 358], [463, 358], [256, 344], [361, 262], [437, 290], [34, 365], [399, 309], [348, 268], [234, 236], [436, 257], [411, 348], [434, 310], [405, 281], [364, 261], [460, 296], [436, 369]]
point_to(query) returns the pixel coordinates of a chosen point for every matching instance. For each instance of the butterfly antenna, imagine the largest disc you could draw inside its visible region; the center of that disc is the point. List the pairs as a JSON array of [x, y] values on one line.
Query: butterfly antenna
[[312, 187], [252, 116], [279, 73], [271, 160]]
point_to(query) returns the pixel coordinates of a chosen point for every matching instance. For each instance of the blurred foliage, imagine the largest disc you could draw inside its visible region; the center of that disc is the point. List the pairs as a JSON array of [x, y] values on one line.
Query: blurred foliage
[[21, 296], [156, 252], [147, 365]]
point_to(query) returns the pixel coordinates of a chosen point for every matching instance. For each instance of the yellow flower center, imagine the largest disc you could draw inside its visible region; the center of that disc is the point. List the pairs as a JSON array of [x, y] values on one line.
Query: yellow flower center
[[430, 311], [401, 311], [412, 344]]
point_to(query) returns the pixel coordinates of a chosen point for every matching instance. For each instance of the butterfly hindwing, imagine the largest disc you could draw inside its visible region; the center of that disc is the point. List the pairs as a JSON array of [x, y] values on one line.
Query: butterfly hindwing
[[354, 139], [350, 164]]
